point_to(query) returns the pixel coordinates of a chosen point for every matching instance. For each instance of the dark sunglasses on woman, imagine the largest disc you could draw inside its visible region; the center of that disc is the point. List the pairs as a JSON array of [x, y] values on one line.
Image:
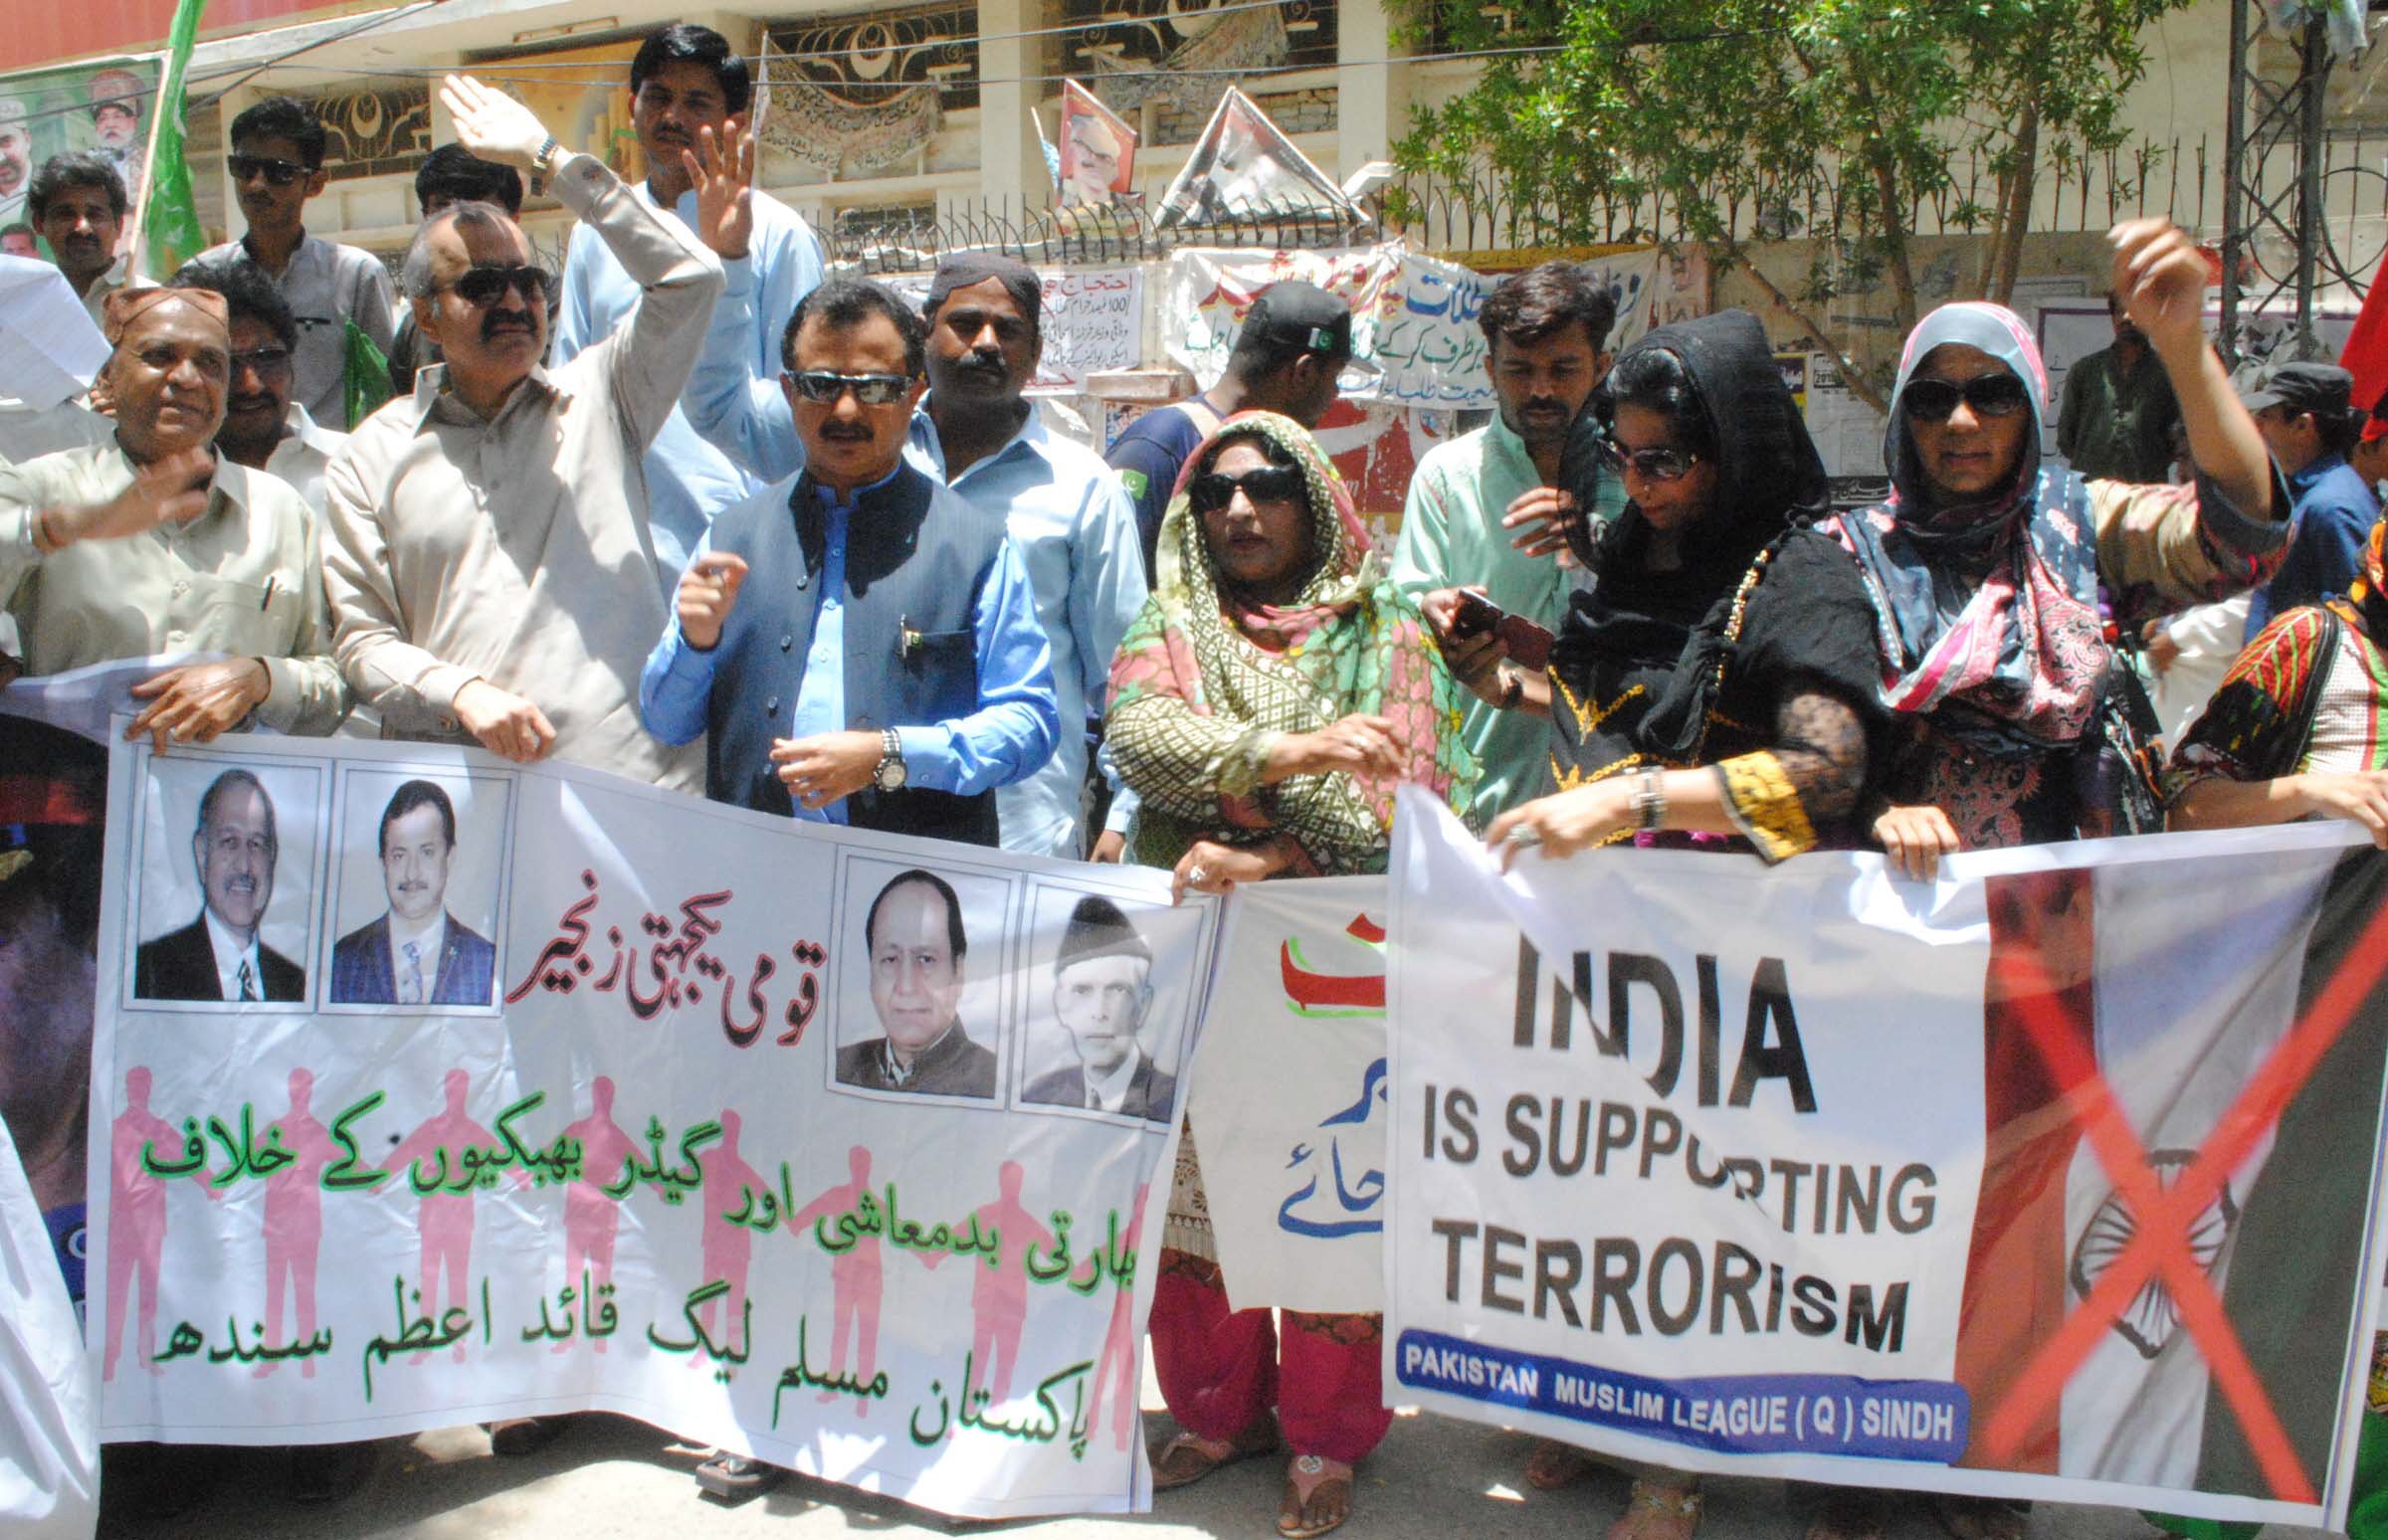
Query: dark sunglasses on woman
[[825, 386], [484, 284], [1270, 483], [1990, 395], [1664, 464], [281, 173]]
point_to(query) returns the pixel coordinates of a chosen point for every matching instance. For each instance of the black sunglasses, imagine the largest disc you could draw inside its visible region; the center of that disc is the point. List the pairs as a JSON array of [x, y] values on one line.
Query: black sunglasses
[[1652, 465], [281, 173], [825, 386], [484, 284], [1990, 395], [265, 360], [1210, 492]]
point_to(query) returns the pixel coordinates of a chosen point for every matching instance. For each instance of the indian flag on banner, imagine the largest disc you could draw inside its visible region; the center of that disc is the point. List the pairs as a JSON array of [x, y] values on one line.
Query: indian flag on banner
[[168, 217], [2195, 985]]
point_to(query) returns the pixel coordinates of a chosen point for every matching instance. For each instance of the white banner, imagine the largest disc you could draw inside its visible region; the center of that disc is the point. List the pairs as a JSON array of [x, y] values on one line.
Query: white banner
[[805, 1142], [1413, 317], [1689, 1163], [1291, 1098]]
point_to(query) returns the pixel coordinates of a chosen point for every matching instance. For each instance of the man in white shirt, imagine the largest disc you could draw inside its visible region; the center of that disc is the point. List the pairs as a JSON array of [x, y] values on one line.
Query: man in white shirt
[[78, 203], [219, 956]]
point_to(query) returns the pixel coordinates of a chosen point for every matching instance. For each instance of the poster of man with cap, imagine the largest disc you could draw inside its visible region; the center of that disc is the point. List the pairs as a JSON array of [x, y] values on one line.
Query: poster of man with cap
[[116, 94], [1101, 994], [16, 158], [100, 108]]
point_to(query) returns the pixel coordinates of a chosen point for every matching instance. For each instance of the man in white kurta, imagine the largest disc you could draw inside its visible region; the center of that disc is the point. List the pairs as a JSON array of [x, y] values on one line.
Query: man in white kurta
[[492, 572]]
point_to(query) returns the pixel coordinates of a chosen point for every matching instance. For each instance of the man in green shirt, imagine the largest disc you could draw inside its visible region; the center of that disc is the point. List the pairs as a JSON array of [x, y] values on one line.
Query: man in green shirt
[[2116, 420], [1476, 501]]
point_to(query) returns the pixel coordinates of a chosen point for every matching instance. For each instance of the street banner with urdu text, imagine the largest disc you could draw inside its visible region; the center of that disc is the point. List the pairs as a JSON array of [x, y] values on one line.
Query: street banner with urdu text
[[1689, 1161], [431, 1089]]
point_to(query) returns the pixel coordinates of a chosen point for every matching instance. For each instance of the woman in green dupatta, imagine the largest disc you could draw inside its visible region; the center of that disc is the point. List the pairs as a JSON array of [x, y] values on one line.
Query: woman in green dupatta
[[1276, 687], [1265, 703]]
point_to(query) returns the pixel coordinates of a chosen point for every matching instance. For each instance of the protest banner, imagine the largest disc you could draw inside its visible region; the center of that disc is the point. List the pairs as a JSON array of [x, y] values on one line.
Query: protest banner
[[1093, 319], [1098, 157], [1709, 1187], [103, 106], [772, 1134], [1414, 318], [1292, 1103]]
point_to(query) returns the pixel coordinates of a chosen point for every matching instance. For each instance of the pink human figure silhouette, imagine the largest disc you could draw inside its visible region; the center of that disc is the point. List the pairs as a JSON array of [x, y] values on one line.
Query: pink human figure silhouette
[[728, 1247], [136, 1219], [854, 1278], [1117, 1361], [999, 1285], [445, 1218], [295, 1219], [591, 1218]]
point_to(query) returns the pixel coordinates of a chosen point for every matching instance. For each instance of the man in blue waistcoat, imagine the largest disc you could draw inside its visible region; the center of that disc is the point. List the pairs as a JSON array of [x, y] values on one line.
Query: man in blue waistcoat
[[858, 642]]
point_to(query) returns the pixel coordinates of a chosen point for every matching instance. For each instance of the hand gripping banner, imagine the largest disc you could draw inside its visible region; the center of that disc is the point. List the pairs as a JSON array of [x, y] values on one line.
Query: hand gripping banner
[[2059, 1178], [429, 1089]]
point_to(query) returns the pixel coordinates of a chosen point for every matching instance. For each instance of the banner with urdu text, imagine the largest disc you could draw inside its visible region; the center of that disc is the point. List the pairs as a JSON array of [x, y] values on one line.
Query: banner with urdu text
[[430, 1089], [2059, 1178]]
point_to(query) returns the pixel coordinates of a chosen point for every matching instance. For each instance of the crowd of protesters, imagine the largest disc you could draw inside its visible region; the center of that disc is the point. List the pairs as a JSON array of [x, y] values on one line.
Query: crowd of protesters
[[697, 511]]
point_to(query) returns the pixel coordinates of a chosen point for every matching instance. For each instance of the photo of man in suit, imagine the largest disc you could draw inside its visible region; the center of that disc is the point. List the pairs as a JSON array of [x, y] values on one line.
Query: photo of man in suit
[[1101, 993], [916, 946], [416, 953], [218, 956]]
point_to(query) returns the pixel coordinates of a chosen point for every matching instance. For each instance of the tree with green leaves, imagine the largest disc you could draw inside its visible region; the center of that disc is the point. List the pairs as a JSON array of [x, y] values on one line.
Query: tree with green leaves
[[1726, 123]]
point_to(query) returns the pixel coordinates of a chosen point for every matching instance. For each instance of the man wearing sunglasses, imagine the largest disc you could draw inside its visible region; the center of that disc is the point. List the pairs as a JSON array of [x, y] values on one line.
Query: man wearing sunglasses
[[490, 569], [1069, 519], [264, 429], [886, 630], [275, 165], [686, 82]]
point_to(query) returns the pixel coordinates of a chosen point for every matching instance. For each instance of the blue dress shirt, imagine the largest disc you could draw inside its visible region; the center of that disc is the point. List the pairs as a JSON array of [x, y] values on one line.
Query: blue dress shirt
[[2334, 515], [688, 478], [1069, 519], [1009, 737]]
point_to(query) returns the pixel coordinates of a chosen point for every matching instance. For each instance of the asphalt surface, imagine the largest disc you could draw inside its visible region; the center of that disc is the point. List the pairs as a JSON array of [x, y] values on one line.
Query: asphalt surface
[[1432, 1477]]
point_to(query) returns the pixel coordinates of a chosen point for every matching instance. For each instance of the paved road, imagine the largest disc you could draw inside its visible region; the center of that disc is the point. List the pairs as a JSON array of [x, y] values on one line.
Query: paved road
[[614, 1478]]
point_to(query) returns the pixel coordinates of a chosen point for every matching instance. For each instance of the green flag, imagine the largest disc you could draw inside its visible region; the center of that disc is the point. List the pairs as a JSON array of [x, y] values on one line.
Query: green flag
[[171, 233], [366, 376]]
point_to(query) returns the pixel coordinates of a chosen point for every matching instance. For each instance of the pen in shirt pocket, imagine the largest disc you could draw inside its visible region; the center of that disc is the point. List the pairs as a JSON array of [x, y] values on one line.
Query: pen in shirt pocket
[[267, 598]]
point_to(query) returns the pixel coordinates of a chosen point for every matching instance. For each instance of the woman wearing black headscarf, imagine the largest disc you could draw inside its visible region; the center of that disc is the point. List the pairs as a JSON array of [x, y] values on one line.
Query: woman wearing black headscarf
[[1716, 685]]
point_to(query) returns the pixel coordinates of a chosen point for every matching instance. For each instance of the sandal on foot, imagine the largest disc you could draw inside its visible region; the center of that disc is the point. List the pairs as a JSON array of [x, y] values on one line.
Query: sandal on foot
[[1187, 1458], [736, 1475], [1980, 1518], [1327, 1506], [1658, 1510], [1554, 1466]]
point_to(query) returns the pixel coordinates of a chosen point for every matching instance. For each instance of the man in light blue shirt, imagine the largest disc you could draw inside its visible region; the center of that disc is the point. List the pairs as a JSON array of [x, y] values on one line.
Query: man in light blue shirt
[[874, 658], [686, 80], [1071, 522]]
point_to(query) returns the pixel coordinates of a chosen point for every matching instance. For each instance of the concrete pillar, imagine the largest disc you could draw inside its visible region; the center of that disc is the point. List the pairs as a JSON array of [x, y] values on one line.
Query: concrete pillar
[[1371, 87], [1011, 165]]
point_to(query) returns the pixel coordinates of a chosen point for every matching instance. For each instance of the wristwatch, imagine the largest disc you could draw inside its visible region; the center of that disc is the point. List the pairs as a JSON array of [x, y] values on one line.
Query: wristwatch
[[543, 166], [1648, 802], [889, 774]]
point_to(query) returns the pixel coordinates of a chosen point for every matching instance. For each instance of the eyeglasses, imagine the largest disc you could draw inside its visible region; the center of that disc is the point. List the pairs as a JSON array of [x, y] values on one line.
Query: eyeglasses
[[281, 173], [485, 283], [265, 360], [1652, 465], [1270, 483], [825, 386], [1990, 395]]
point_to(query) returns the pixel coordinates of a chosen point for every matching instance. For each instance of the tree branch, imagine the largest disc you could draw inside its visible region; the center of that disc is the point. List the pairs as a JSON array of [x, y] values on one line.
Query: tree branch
[[1851, 374]]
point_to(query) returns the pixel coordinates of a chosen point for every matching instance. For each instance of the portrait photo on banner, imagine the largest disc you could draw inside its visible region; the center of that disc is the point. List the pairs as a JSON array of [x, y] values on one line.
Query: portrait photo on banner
[[1106, 999], [922, 958], [419, 888], [223, 902]]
